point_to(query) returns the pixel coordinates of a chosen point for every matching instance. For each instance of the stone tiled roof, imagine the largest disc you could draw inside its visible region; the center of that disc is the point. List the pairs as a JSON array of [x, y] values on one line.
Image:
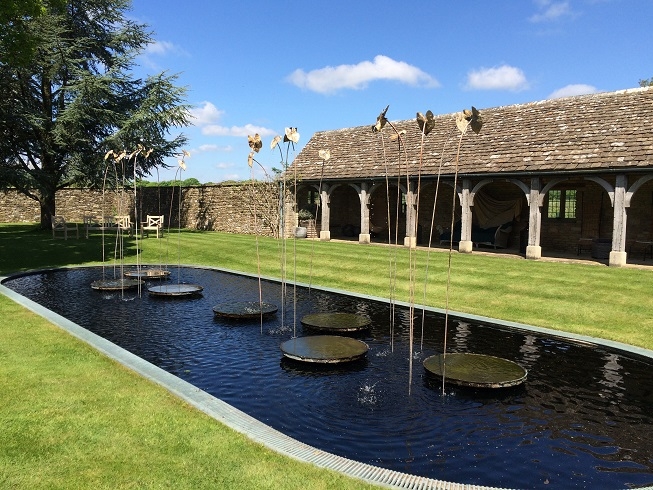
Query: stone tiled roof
[[612, 130]]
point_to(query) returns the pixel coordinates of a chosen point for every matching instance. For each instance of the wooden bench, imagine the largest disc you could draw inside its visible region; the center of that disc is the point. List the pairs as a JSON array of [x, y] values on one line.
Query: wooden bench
[[107, 223], [60, 225]]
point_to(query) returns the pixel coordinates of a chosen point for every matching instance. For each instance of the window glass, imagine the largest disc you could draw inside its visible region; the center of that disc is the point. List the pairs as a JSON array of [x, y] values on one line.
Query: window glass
[[561, 204], [554, 204], [570, 204]]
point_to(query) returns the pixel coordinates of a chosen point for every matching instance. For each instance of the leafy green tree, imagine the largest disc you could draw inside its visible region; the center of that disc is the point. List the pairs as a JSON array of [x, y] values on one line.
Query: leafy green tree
[[646, 82], [16, 42], [190, 182], [63, 108]]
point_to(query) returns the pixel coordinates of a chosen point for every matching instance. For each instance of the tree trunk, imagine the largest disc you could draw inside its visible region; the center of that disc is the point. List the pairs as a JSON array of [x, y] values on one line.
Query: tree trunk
[[48, 208]]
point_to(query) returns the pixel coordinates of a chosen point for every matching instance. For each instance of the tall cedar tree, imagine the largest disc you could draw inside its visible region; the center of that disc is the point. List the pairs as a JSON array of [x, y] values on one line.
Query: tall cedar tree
[[75, 98]]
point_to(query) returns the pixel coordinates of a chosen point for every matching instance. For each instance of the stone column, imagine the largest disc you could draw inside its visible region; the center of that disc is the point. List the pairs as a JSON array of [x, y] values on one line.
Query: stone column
[[618, 253], [465, 245], [325, 201], [410, 240], [533, 249], [364, 236]]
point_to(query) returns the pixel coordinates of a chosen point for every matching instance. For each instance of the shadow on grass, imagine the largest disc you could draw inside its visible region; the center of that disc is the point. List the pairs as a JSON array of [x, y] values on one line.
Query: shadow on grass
[[27, 247]]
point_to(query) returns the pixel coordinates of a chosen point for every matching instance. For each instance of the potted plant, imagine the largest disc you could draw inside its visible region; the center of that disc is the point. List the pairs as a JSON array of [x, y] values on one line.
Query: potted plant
[[303, 216]]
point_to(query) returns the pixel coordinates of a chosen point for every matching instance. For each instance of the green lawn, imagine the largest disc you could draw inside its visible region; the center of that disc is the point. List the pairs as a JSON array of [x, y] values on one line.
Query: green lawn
[[71, 418]]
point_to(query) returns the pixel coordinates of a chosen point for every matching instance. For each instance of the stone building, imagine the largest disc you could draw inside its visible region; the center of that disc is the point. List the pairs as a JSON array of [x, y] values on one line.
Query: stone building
[[564, 175]]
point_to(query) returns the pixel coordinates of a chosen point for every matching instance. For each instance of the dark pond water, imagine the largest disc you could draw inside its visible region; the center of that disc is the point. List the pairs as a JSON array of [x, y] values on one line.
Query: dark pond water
[[582, 420]]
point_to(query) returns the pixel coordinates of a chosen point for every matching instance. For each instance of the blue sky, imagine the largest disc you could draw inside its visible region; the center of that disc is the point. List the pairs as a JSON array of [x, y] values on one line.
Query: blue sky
[[259, 67]]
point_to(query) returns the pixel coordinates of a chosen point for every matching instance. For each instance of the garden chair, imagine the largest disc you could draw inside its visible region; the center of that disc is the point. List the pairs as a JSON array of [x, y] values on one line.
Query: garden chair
[[60, 225], [123, 223], [153, 223]]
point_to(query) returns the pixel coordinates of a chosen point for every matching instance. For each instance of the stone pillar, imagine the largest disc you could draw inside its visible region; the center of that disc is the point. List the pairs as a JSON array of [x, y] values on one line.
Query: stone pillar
[[364, 236], [325, 201], [618, 253], [465, 245], [533, 249], [410, 240]]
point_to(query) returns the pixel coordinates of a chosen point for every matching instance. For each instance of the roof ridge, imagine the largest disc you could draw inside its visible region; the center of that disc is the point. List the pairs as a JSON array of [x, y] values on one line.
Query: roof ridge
[[542, 102], [508, 106]]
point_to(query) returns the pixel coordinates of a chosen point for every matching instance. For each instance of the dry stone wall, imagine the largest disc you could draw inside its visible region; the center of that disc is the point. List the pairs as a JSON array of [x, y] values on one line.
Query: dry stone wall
[[229, 208]]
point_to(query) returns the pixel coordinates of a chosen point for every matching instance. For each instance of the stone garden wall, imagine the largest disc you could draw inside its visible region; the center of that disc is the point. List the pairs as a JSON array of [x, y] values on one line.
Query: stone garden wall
[[229, 208]]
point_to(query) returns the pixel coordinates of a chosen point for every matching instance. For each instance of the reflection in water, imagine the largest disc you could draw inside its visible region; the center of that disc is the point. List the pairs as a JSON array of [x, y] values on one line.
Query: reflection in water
[[529, 351], [612, 377], [460, 336], [581, 420]]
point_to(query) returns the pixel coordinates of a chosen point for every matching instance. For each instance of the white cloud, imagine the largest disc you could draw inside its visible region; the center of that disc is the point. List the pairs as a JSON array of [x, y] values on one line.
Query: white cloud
[[206, 117], [217, 130], [161, 48], [232, 176], [156, 50], [211, 148], [498, 78], [550, 11], [206, 114], [574, 89], [333, 78]]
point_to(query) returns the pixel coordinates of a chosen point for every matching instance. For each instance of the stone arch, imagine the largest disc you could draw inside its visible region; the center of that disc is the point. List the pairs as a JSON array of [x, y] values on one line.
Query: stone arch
[[434, 215], [524, 188], [605, 184], [308, 198], [639, 229], [344, 209], [550, 185], [386, 213], [509, 198], [635, 187]]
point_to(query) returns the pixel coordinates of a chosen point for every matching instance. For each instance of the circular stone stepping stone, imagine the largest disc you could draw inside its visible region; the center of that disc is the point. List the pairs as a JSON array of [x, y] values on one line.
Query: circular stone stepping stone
[[149, 274], [245, 310], [115, 284], [476, 370], [327, 349], [175, 290], [336, 322]]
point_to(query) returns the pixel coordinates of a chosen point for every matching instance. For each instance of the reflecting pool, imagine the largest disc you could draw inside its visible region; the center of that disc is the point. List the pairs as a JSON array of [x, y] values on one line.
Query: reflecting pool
[[583, 418]]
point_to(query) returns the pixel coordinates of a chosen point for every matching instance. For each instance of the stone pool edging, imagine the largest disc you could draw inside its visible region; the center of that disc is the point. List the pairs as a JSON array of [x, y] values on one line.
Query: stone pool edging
[[260, 432]]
